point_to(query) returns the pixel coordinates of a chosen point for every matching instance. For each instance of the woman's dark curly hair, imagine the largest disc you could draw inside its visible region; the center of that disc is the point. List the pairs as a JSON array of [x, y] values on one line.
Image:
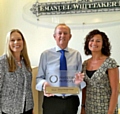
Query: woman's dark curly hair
[[106, 47]]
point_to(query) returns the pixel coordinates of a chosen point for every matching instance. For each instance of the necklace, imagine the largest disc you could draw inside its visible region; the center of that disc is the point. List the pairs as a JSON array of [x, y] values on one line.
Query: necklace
[[19, 64]]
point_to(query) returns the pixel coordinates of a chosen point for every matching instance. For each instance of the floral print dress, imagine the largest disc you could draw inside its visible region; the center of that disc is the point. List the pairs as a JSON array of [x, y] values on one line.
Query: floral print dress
[[98, 90]]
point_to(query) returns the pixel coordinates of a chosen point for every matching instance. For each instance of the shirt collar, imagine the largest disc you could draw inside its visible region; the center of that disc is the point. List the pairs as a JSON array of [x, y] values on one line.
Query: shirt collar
[[58, 49]]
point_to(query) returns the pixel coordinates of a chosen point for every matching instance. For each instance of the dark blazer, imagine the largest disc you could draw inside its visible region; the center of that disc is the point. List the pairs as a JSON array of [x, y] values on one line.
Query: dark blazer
[[15, 88]]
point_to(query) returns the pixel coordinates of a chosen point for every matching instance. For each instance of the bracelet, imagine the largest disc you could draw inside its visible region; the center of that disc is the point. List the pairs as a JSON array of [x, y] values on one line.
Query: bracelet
[[83, 105]]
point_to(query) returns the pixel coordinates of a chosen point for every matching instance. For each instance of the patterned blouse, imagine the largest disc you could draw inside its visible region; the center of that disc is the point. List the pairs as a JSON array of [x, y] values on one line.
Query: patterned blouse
[[15, 88], [98, 90]]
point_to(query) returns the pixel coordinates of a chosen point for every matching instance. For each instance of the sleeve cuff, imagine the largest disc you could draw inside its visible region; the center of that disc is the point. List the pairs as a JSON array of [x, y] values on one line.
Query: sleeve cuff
[[39, 85], [83, 84]]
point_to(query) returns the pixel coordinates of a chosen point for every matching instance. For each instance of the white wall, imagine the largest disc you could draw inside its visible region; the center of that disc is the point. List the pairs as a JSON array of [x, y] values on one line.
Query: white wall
[[40, 37]]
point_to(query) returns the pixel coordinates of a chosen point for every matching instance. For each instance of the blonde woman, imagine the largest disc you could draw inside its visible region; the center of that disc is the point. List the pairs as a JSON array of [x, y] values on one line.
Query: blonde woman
[[15, 73]]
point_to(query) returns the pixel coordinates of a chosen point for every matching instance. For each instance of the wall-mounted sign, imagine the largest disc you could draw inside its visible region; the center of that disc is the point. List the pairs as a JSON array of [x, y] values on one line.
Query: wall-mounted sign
[[75, 7], [75, 13]]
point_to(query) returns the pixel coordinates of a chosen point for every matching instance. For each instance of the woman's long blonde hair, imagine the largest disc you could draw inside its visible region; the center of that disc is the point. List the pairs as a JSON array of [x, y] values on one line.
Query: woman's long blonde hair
[[10, 57]]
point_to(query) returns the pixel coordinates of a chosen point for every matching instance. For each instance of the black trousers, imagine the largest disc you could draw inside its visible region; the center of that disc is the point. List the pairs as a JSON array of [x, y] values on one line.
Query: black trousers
[[27, 112], [59, 105]]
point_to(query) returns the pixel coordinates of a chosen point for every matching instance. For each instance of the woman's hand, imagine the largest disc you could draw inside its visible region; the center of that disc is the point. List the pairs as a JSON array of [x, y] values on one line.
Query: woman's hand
[[82, 110], [32, 111]]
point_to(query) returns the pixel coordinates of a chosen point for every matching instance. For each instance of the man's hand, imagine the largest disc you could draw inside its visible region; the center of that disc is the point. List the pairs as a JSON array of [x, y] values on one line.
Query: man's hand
[[45, 84], [78, 78]]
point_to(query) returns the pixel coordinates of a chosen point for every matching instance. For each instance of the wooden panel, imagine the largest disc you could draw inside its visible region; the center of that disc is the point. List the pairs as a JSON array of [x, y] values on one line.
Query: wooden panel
[[37, 96], [35, 92]]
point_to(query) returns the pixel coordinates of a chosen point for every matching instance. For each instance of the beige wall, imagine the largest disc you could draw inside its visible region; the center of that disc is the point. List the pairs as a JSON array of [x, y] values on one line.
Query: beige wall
[[40, 37], [1, 27]]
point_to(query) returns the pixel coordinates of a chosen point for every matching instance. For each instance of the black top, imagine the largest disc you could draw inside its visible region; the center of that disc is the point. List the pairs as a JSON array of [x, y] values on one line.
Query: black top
[[90, 73]]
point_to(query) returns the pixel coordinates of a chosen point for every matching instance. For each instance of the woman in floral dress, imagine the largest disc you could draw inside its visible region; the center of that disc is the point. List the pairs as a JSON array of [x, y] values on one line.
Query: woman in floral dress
[[100, 95]]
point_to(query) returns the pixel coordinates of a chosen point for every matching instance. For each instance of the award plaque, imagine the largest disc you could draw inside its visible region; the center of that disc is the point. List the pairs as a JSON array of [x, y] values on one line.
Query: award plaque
[[56, 77], [63, 90]]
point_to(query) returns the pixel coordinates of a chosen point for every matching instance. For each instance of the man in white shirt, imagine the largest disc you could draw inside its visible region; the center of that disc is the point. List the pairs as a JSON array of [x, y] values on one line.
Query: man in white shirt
[[50, 62]]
